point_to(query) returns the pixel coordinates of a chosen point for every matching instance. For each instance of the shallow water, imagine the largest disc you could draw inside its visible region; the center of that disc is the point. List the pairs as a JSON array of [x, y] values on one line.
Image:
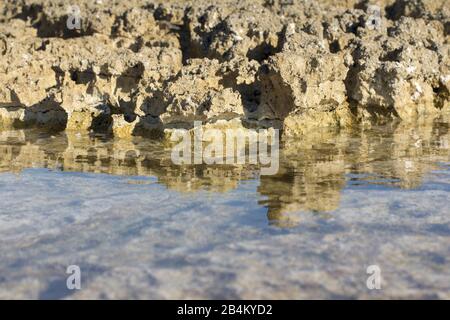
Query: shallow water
[[140, 227]]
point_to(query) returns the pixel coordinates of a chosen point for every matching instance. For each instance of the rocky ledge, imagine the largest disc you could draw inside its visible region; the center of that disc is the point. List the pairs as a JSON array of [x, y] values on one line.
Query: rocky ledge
[[146, 67]]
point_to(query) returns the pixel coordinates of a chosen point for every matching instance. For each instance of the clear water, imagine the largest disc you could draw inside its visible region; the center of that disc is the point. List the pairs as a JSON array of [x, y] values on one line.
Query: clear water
[[139, 227]]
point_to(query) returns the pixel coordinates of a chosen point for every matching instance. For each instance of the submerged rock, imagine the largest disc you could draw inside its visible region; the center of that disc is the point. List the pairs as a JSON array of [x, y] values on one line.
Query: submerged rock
[[145, 67]]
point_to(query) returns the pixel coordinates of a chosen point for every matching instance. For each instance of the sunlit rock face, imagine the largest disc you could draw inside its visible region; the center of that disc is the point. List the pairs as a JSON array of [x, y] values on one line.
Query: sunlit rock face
[[304, 84], [402, 73], [139, 68]]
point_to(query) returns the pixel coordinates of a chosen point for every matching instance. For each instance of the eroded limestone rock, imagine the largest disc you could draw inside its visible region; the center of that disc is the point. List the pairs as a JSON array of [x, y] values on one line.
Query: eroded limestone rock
[[304, 81], [232, 29], [140, 67], [402, 74], [197, 94]]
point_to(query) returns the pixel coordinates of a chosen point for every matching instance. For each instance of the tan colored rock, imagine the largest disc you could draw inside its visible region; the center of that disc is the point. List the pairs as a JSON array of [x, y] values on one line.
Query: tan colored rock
[[304, 78], [136, 67], [233, 29], [403, 74], [419, 9], [122, 128], [84, 84], [197, 94], [25, 72]]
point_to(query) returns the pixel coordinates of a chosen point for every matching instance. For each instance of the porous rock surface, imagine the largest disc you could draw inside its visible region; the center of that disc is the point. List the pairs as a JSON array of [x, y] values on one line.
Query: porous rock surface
[[140, 67]]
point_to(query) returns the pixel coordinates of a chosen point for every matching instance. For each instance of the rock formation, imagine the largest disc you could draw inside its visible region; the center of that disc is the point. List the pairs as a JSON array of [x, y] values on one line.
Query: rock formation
[[145, 67]]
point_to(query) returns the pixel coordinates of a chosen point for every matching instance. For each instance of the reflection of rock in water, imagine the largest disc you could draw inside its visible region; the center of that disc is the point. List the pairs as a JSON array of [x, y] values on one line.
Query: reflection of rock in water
[[21, 149], [313, 169], [310, 178]]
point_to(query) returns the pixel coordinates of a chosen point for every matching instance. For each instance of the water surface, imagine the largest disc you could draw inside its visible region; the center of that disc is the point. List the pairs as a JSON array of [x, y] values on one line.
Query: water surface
[[140, 227]]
